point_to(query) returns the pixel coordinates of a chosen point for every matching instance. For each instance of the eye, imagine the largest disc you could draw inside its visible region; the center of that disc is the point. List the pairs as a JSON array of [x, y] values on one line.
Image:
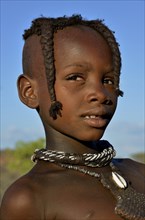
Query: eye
[[75, 77], [108, 81]]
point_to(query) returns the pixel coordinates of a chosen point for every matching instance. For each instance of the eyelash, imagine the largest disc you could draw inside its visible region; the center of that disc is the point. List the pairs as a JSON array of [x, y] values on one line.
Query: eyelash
[[108, 81], [79, 77], [74, 77]]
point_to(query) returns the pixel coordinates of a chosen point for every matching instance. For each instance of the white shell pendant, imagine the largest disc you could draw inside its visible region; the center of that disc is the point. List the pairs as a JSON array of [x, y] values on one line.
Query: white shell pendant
[[119, 180]]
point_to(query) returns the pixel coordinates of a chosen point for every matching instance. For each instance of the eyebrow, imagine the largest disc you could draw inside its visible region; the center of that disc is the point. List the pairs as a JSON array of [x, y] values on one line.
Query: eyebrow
[[87, 66], [84, 64]]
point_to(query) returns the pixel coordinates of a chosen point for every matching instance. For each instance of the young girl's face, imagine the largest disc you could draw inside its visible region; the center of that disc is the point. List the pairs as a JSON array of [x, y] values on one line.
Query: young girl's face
[[84, 84]]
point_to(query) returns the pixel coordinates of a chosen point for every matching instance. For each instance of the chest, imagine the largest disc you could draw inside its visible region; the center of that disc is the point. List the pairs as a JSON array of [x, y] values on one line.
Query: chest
[[72, 195], [80, 198]]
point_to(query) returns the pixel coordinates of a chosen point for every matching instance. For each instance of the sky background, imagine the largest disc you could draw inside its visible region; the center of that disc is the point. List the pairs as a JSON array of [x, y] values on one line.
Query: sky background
[[126, 18]]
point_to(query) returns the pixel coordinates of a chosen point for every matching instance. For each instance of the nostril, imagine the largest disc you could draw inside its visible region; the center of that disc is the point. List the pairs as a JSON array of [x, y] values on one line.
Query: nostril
[[97, 94], [102, 100]]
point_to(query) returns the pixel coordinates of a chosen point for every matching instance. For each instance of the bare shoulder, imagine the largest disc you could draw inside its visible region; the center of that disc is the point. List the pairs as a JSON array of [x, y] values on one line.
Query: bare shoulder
[[28, 197], [20, 201]]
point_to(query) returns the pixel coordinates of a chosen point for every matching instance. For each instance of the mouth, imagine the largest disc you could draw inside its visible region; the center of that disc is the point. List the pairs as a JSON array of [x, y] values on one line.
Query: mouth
[[99, 120]]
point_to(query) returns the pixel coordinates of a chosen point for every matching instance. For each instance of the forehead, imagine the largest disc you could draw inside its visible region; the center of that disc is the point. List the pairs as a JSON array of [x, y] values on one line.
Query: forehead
[[73, 31], [79, 32], [72, 44], [80, 43]]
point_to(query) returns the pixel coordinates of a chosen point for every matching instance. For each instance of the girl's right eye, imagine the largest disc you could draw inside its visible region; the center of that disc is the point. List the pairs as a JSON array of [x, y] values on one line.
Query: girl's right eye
[[74, 77]]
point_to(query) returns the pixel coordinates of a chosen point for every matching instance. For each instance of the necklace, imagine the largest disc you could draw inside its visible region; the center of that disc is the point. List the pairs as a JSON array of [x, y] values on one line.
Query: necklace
[[130, 204], [99, 159]]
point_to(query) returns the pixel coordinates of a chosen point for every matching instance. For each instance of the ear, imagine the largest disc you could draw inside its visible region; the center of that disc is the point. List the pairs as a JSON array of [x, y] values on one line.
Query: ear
[[28, 91]]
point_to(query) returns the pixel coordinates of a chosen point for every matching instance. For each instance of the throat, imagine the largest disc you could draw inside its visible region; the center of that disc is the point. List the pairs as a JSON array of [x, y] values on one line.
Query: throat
[[56, 140]]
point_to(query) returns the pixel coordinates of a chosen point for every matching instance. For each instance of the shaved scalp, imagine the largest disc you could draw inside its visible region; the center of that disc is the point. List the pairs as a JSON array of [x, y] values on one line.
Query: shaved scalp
[[40, 39], [33, 62]]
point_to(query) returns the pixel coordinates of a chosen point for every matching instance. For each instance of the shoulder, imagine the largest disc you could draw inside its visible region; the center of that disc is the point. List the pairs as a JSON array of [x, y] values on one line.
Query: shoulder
[[20, 202], [28, 197]]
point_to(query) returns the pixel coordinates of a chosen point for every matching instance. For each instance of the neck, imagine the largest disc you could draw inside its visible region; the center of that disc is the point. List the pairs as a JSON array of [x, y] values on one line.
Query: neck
[[61, 142]]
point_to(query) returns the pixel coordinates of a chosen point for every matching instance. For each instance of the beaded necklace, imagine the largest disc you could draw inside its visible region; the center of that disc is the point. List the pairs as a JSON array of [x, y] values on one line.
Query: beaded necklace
[[130, 204]]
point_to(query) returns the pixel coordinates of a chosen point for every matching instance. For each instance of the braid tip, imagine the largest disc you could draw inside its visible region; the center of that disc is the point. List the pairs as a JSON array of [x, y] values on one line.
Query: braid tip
[[55, 109], [119, 92]]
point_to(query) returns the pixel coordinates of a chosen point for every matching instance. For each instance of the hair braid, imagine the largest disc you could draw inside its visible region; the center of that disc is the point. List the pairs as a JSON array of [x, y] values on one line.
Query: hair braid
[[46, 27], [48, 53], [109, 37]]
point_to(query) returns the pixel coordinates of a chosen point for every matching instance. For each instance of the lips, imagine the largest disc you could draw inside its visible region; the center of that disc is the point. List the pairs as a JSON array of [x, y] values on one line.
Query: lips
[[96, 119]]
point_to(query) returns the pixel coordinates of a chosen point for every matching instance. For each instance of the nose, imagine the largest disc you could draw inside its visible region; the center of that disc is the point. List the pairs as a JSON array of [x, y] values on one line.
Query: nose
[[96, 92]]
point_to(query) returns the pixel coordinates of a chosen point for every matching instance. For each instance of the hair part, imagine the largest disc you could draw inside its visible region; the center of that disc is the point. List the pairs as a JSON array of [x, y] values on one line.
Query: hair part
[[46, 27]]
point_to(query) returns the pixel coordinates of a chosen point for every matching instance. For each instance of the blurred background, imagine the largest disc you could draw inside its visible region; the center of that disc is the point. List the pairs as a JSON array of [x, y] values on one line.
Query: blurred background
[[21, 128]]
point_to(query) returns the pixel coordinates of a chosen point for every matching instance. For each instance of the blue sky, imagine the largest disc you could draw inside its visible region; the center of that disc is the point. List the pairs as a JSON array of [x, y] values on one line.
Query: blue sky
[[126, 18]]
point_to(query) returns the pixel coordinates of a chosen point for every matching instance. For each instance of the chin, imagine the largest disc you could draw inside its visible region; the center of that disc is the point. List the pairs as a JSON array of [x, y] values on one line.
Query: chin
[[91, 137]]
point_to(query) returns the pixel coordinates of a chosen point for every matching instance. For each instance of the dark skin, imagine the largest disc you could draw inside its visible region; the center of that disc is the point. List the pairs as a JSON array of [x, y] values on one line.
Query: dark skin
[[84, 84]]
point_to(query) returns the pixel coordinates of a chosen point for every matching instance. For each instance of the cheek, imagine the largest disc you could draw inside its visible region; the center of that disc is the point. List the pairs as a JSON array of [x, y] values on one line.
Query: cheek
[[69, 97], [115, 101]]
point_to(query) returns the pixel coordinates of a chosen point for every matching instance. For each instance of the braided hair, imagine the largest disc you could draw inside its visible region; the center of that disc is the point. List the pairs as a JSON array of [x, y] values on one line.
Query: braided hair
[[46, 27]]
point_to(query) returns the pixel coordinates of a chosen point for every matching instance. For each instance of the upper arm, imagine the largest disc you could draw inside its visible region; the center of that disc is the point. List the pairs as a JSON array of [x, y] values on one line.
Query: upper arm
[[20, 203]]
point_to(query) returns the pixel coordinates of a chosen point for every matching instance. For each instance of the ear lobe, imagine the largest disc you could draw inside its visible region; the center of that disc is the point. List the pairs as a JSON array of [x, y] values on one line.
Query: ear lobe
[[27, 90]]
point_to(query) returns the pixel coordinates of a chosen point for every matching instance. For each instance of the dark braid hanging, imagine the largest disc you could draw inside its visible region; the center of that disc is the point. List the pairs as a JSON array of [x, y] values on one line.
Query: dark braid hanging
[[48, 53], [109, 36], [46, 27]]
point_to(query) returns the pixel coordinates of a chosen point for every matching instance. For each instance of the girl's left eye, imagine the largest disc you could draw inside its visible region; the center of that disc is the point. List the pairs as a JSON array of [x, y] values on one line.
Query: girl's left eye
[[108, 81]]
